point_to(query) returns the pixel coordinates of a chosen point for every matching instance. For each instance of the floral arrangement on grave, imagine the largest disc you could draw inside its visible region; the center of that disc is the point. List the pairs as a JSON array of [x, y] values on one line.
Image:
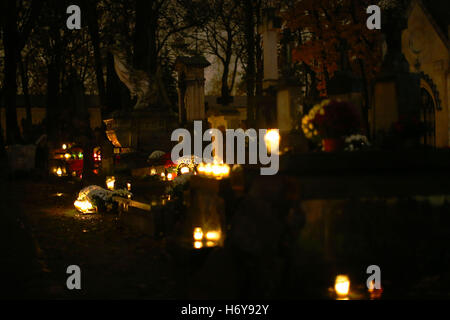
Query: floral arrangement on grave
[[330, 121], [93, 199], [356, 142]]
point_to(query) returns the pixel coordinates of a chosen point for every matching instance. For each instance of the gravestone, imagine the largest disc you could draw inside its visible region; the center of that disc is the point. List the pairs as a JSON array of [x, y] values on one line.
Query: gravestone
[[141, 130], [269, 30]]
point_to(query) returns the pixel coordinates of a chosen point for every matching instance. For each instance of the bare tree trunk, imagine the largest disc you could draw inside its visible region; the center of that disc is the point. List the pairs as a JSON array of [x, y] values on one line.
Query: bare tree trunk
[[225, 90], [251, 65], [141, 34], [366, 97], [52, 100], [2, 142], [93, 32], [113, 86], [23, 67], [233, 77], [11, 45], [153, 46]]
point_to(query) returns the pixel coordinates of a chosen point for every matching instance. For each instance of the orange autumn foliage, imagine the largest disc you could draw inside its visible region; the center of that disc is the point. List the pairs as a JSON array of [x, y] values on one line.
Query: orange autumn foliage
[[327, 25]]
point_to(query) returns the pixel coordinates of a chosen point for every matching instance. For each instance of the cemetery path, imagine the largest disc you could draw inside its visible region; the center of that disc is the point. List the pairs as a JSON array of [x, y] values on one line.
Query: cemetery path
[[46, 235]]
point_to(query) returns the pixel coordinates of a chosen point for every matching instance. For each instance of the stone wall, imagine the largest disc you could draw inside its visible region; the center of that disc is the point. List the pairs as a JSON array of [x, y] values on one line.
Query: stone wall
[[424, 43]]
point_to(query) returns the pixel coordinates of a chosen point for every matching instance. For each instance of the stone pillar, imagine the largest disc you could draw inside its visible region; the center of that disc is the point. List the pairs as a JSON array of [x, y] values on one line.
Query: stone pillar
[[269, 31], [191, 88]]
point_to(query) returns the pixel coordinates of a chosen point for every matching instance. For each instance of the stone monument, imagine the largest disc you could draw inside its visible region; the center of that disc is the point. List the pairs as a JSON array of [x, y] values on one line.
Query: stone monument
[[191, 88], [148, 126], [266, 114], [269, 30]]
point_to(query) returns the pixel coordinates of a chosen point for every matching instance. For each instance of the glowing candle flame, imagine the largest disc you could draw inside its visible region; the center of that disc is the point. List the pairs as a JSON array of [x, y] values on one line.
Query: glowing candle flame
[[213, 235], [342, 285], [272, 139], [198, 234], [110, 181], [198, 244]]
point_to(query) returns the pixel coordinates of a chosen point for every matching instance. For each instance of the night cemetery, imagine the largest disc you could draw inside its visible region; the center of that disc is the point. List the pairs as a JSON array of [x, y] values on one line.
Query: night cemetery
[[221, 149]]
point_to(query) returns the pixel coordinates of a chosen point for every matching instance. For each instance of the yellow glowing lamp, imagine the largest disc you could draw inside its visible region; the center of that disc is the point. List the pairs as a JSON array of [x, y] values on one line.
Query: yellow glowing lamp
[[67, 156], [198, 234], [272, 139], [152, 171], [342, 285], [64, 146], [110, 182], [169, 176], [128, 186], [59, 172]]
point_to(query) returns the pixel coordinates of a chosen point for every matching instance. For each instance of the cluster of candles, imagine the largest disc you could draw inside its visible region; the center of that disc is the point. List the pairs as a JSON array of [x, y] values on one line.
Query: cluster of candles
[[97, 156], [215, 170], [169, 177], [211, 238]]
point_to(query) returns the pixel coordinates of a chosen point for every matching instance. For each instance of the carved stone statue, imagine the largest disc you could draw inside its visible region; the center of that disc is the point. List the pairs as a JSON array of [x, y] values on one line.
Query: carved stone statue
[[137, 81]]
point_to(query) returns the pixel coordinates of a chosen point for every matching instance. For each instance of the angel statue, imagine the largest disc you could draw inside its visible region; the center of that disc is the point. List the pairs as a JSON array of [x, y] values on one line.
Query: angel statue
[[148, 89], [137, 81]]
